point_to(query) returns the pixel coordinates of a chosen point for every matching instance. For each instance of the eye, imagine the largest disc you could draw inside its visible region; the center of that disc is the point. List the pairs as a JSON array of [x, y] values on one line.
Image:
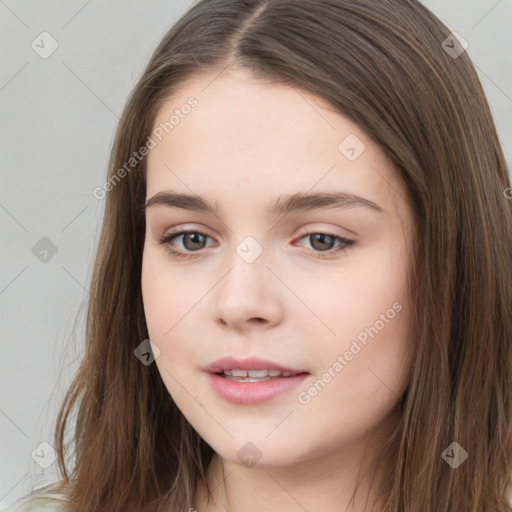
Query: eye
[[192, 241], [322, 243]]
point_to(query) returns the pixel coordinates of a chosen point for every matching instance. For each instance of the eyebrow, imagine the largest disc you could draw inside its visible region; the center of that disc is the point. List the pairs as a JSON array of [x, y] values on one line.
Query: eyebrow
[[283, 205]]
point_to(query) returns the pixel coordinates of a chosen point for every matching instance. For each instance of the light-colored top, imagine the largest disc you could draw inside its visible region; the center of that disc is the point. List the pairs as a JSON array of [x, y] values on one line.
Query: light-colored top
[[51, 499], [44, 499]]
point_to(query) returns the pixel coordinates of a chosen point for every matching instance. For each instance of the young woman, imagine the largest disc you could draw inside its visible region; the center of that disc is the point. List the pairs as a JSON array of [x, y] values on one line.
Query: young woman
[[302, 297]]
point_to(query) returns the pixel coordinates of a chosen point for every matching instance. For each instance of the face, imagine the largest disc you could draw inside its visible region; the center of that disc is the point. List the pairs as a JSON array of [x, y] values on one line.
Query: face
[[299, 264]]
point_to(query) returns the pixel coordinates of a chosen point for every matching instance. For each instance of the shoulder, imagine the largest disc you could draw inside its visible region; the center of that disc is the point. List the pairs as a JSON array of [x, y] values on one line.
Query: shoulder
[[51, 498]]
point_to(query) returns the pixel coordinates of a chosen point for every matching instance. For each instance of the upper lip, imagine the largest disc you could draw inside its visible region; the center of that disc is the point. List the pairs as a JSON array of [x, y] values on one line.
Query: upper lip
[[252, 363]]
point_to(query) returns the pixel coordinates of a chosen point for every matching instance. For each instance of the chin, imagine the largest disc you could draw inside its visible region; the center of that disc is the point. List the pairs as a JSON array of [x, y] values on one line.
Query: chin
[[258, 454]]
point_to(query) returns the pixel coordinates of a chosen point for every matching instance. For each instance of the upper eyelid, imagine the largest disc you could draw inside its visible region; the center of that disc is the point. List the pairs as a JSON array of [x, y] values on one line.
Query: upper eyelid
[[310, 231], [307, 230]]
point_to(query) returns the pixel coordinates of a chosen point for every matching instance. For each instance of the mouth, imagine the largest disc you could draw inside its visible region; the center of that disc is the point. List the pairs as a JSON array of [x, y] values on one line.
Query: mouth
[[251, 381], [237, 375]]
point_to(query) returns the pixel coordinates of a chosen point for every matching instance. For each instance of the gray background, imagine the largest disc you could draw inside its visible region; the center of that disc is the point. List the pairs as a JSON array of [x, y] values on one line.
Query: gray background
[[58, 117]]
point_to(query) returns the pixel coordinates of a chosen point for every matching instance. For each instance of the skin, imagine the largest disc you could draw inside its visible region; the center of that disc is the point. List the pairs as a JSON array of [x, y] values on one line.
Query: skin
[[247, 142]]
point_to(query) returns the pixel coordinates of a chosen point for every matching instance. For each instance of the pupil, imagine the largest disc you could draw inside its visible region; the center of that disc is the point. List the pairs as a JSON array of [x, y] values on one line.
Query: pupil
[[321, 237], [193, 237]]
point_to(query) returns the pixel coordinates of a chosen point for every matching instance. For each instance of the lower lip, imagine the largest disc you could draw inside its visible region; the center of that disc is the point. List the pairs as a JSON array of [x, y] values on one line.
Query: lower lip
[[253, 392]]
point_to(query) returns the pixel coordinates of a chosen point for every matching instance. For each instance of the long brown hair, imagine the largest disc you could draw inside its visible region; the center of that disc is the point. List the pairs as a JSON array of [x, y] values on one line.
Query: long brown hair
[[383, 65]]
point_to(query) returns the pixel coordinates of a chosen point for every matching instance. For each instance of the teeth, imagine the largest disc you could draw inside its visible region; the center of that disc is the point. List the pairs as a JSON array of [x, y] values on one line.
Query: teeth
[[253, 375], [258, 373], [247, 379]]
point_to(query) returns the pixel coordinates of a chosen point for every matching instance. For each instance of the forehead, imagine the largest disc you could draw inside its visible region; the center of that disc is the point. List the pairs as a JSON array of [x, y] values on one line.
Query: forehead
[[246, 136]]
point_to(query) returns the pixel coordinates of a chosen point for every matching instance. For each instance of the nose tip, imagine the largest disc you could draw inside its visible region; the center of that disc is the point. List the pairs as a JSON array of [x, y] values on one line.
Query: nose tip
[[247, 296]]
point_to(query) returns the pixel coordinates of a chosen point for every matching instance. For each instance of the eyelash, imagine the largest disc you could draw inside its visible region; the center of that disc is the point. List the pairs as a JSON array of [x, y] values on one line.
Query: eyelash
[[167, 239]]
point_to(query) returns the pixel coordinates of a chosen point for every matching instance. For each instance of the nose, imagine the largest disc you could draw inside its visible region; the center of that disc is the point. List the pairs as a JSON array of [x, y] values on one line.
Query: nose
[[249, 295]]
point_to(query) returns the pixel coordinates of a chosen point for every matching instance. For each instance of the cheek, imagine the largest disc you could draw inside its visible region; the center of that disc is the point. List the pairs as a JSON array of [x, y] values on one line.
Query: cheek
[[370, 352], [156, 302], [170, 301], [165, 295], [360, 377], [365, 300]]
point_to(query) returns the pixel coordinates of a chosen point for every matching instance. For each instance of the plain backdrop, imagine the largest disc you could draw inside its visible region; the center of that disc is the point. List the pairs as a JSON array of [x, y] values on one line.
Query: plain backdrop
[[57, 118]]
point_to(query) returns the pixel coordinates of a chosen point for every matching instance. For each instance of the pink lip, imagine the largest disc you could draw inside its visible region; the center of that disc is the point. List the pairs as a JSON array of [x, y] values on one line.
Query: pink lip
[[251, 392]]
